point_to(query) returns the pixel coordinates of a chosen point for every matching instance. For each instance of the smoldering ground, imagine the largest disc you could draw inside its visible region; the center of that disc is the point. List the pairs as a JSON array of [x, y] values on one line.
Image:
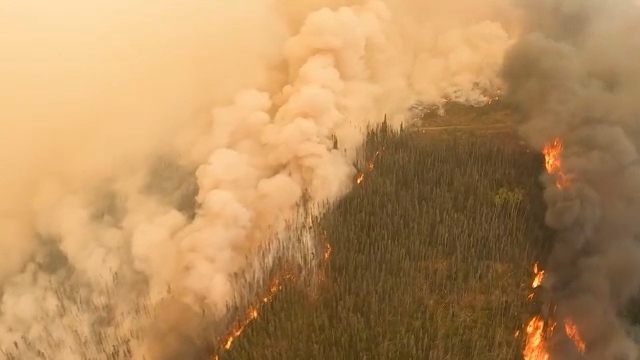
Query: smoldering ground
[[153, 153], [573, 76]]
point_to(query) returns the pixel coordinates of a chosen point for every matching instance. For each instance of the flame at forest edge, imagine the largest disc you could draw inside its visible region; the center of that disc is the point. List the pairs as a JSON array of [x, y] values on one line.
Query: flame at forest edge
[[539, 330], [553, 163], [278, 281]]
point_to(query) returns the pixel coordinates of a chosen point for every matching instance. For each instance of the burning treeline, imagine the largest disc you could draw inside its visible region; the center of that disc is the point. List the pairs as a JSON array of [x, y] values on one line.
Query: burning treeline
[[286, 273], [541, 328], [573, 80], [159, 145], [460, 304]]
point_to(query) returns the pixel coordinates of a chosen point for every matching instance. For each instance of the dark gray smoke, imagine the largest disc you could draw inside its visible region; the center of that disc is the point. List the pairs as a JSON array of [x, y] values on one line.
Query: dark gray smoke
[[574, 75]]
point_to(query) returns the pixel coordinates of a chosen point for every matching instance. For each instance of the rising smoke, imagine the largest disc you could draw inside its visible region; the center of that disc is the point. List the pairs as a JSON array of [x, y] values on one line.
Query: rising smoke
[[574, 76], [152, 150]]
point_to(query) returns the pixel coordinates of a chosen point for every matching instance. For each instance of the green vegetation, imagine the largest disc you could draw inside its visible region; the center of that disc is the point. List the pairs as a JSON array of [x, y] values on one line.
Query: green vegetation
[[431, 258]]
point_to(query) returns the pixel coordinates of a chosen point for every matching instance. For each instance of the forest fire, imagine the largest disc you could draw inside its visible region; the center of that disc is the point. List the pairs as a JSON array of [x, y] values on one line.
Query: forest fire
[[252, 313], [278, 281], [272, 290], [553, 163], [572, 332], [370, 166], [538, 329], [536, 348], [539, 276]]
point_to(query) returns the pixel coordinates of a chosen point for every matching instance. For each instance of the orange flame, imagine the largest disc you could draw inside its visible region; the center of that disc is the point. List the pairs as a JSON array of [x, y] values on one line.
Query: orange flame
[[572, 332], [535, 345], [539, 276], [537, 280], [538, 330], [276, 284], [553, 162], [252, 313], [370, 165]]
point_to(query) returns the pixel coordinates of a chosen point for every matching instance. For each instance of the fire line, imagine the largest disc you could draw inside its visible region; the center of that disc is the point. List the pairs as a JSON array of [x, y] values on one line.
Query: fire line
[[278, 281], [538, 330]]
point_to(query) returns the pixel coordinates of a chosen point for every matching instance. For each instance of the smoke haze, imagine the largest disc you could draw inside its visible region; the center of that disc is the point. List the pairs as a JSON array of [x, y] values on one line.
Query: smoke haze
[[574, 75], [150, 151]]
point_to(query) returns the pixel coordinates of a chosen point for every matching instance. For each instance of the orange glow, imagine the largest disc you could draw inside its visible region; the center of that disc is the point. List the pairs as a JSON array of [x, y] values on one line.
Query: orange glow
[[539, 329], [553, 162], [536, 348], [539, 276], [252, 313], [535, 343], [276, 284], [572, 332], [370, 165]]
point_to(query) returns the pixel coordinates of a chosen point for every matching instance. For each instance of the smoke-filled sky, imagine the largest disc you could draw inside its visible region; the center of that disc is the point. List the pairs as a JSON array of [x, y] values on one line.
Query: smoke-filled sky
[[575, 76], [155, 145]]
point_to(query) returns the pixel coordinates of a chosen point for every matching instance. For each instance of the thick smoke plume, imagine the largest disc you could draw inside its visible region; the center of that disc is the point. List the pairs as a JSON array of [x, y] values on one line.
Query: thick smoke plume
[[153, 153], [574, 75]]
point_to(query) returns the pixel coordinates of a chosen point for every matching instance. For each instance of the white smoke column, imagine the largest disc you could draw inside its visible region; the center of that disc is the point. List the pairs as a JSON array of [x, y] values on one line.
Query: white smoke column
[[105, 122]]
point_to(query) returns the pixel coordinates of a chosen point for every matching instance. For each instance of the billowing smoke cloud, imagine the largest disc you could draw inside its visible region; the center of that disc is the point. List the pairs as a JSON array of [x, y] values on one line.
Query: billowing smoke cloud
[[574, 76], [151, 151]]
